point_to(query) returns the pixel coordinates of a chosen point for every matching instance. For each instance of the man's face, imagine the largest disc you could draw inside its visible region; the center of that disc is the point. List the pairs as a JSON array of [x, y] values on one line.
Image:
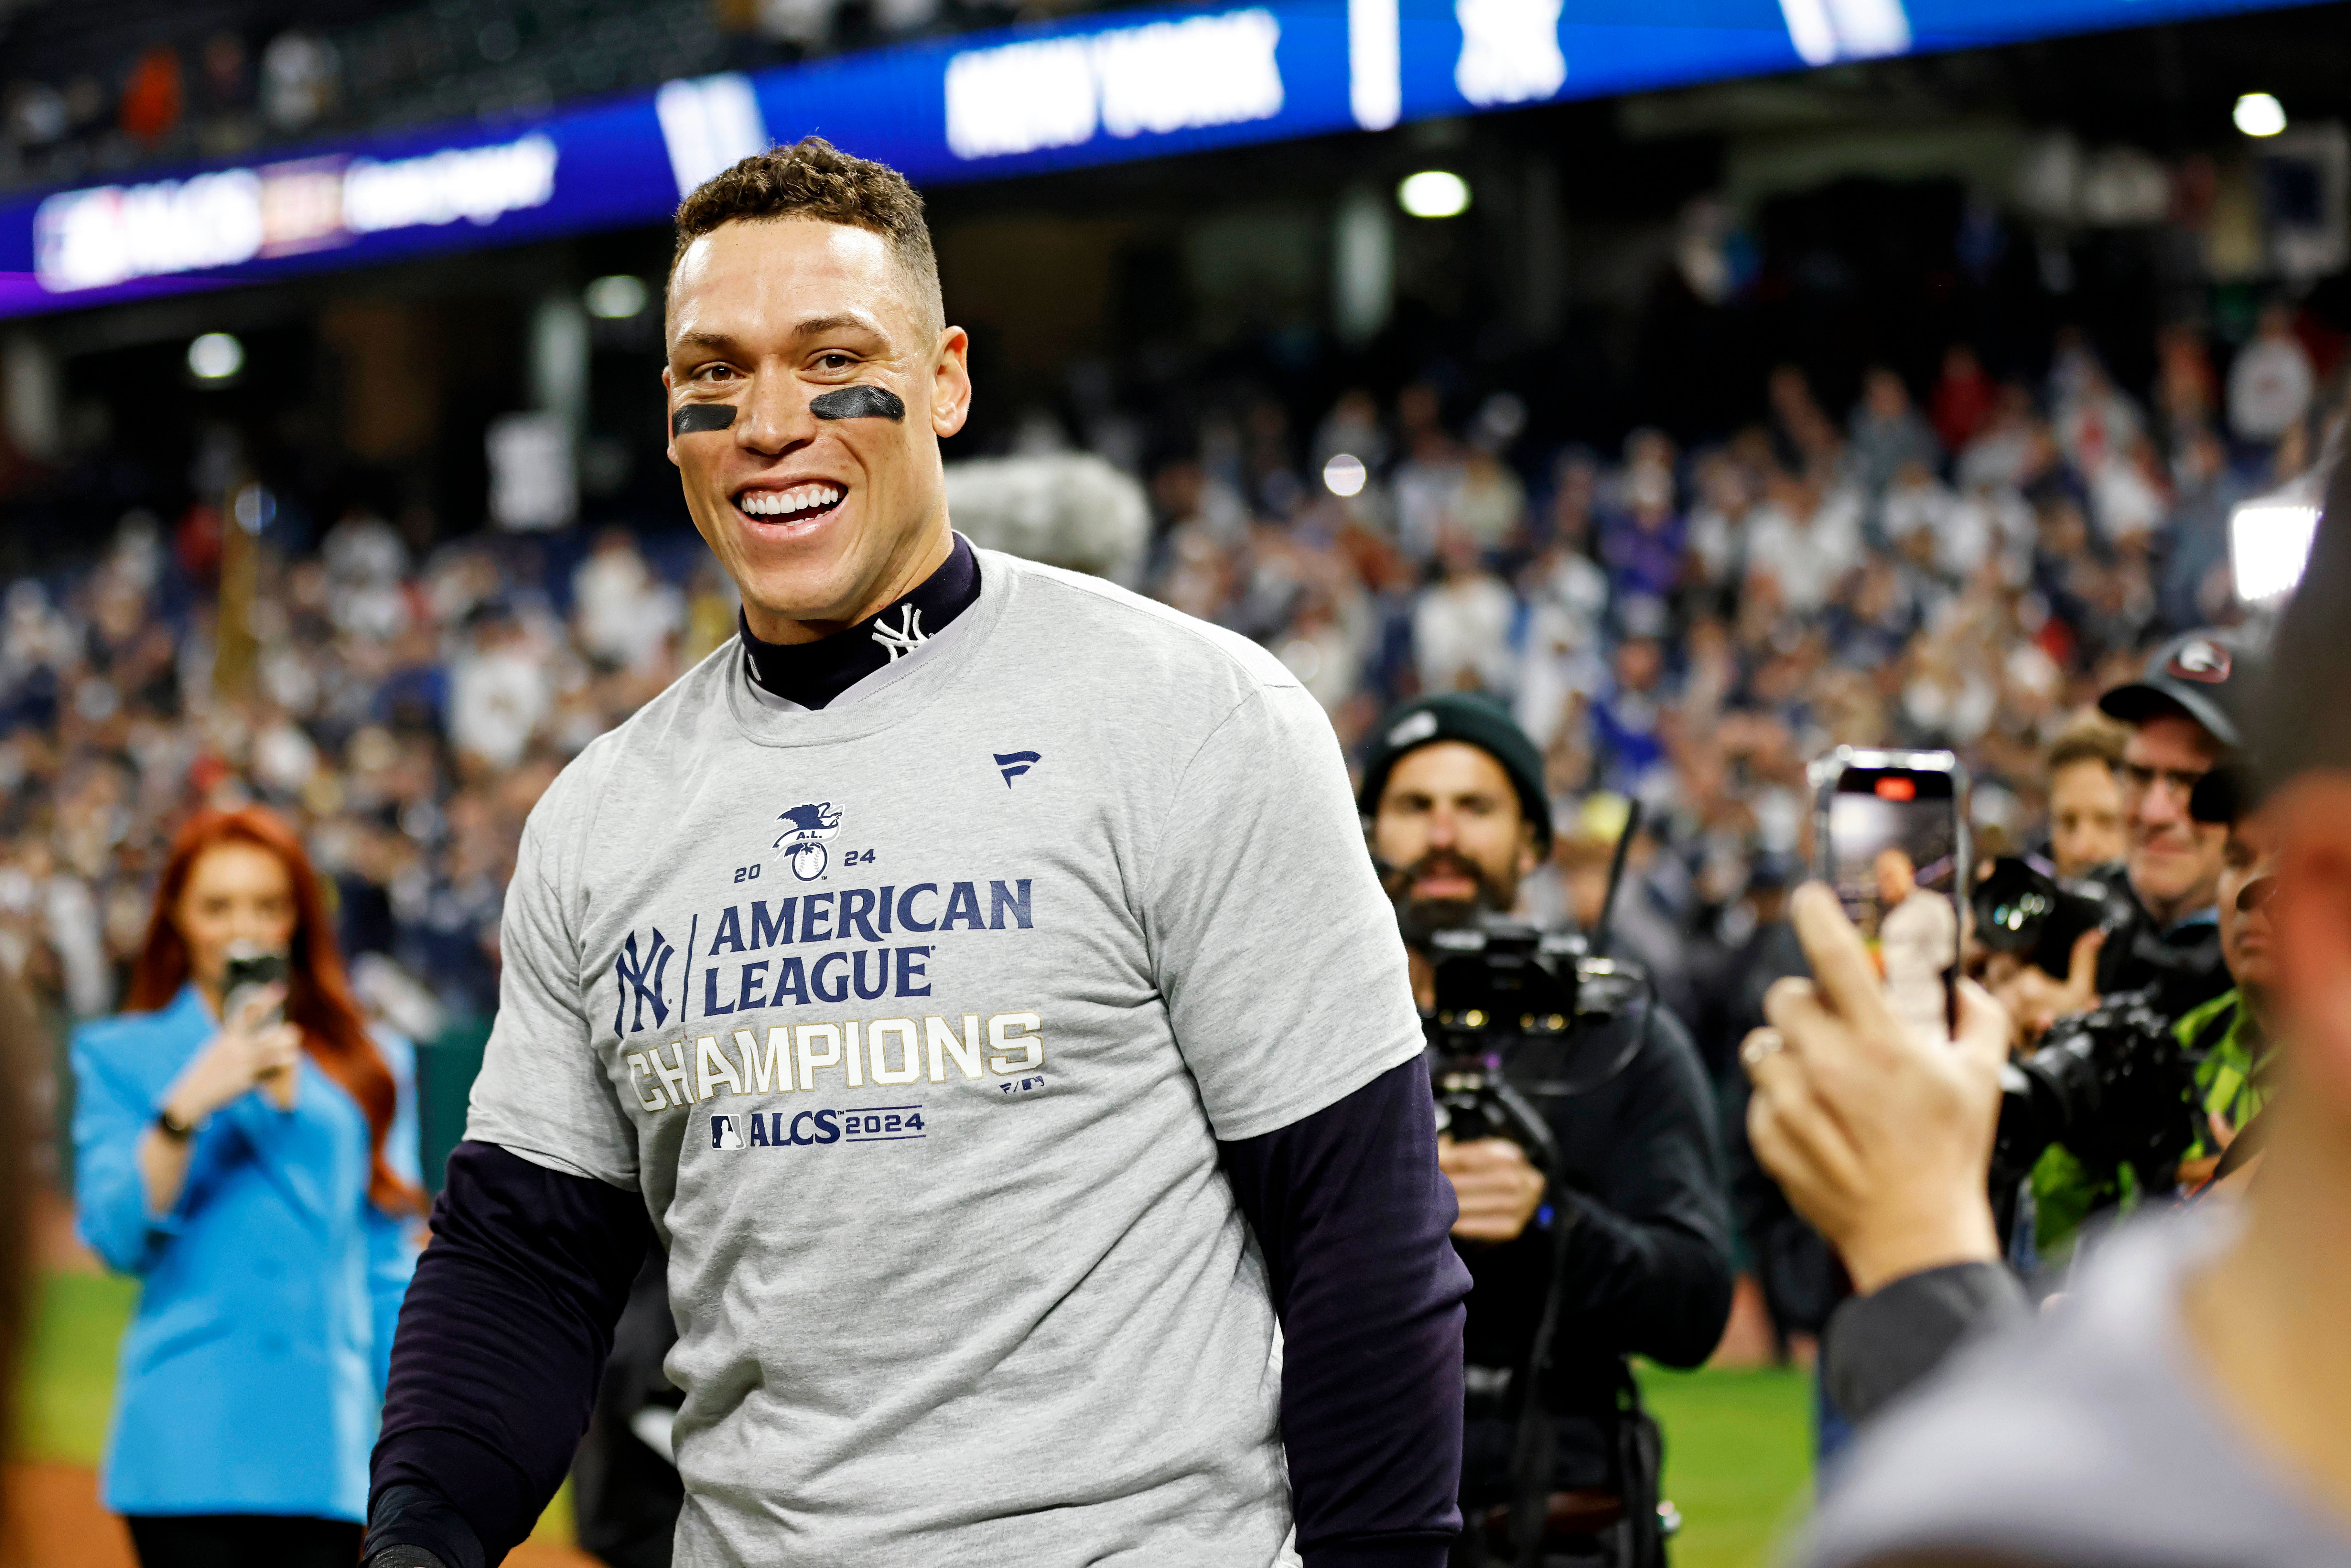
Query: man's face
[[1896, 877], [2174, 861], [1449, 821], [2085, 817], [766, 316], [2248, 877]]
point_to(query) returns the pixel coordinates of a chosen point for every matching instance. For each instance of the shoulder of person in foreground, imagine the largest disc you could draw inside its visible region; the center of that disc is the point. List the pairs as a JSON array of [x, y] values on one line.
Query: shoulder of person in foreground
[[1131, 639], [2085, 1437]]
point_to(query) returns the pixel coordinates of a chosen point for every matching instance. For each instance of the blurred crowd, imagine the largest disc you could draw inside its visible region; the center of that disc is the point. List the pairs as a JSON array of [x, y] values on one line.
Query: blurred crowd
[[1964, 564], [406, 711], [1959, 564], [232, 79]]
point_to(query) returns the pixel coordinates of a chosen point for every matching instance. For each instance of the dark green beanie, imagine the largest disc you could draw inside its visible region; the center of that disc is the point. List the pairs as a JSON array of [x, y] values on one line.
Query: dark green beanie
[[1475, 721]]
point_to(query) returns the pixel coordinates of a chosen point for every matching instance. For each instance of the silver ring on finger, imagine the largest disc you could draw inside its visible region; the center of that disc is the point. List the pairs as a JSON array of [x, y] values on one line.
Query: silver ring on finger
[[1763, 1043]]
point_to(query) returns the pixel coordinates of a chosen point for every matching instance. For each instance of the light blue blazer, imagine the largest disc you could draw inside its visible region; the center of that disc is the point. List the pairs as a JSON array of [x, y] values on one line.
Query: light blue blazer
[[252, 1378]]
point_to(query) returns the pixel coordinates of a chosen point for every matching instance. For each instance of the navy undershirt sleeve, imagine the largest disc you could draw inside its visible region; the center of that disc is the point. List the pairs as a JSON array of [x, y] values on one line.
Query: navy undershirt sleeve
[[495, 1367], [1354, 1218]]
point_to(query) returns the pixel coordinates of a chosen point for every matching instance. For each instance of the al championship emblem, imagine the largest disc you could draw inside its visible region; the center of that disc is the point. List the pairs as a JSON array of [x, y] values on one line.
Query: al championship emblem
[[802, 840]]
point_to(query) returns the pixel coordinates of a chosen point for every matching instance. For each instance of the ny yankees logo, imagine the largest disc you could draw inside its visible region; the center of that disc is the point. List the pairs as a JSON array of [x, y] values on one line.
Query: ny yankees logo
[[642, 978], [908, 636], [810, 826]]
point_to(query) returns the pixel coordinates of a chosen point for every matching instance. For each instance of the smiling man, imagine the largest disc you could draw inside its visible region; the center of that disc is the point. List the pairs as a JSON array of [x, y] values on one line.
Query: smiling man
[[2183, 719], [970, 976]]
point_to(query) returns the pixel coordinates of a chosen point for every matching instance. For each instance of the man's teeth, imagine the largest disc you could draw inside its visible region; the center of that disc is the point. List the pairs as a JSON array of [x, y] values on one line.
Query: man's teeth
[[784, 503]]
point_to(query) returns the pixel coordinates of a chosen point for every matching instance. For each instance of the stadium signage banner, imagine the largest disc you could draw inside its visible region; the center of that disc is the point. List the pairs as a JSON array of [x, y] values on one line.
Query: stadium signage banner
[[1097, 90]]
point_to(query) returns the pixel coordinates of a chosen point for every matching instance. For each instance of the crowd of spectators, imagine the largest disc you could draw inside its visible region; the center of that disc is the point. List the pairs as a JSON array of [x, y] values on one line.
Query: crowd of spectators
[[1686, 627], [406, 713], [232, 80], [1680, 626]]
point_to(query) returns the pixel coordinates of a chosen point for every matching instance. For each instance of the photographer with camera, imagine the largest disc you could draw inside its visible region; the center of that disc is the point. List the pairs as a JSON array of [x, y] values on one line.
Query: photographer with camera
[[2102, 1115], [2157, 924], [2185, 717], [1595, 1229], [2183, 1404]]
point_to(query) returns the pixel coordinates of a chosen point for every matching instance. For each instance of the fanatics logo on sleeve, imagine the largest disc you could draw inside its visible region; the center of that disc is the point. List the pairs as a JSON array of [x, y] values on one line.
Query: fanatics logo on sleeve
[[1012, 764], [811, 825]]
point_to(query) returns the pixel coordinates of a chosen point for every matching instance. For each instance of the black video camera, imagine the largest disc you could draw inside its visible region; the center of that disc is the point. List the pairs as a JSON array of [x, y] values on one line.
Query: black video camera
[[1503, 987], [2113, 1084], [2022, 906]]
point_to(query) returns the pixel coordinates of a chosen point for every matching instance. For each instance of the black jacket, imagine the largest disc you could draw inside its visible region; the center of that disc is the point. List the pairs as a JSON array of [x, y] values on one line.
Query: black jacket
[[2182, 964], [1646, 1263], [1880, 1345], [1802, 1280]]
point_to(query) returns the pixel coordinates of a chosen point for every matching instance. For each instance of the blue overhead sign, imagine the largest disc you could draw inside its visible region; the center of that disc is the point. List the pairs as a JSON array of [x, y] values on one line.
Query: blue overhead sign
[[1096, 90]]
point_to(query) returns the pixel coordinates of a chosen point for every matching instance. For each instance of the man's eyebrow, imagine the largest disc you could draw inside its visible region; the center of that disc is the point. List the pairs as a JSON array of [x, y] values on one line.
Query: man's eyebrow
[[807, 327], [814, 326]]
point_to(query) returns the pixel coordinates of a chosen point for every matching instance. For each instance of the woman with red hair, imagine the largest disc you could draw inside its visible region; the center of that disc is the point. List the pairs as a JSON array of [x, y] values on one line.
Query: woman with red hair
[[257, 1173]]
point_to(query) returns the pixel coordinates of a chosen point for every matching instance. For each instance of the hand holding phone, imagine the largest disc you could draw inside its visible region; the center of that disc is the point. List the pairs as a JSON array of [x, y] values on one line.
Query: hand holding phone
[[252, 1005]]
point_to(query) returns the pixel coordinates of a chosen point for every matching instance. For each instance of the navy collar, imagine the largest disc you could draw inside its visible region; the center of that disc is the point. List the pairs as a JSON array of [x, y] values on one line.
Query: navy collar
[[814, 674]]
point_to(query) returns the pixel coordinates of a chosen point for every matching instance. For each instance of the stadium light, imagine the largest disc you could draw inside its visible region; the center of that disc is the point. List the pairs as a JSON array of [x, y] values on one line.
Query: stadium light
[[1344, 474], [1434, 193], [2258, 114], [615, 298], [2269, 546], [215, 357]]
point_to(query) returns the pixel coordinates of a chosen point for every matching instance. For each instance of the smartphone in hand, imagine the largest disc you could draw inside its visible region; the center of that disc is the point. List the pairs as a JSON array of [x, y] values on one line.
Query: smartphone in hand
[[248, 970], [1890, 835]]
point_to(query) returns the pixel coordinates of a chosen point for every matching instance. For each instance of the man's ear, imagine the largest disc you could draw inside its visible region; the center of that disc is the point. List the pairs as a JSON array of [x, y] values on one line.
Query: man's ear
[[669, 435], [951, 382], [1529, 855], [2311, 913]]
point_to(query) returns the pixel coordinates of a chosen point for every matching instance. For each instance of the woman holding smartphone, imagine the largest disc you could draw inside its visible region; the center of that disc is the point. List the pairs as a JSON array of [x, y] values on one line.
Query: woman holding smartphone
[[256, 1170]]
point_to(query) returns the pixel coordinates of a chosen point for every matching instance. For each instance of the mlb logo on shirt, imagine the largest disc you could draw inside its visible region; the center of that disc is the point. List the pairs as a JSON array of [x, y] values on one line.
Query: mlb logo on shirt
[[726, 1132]]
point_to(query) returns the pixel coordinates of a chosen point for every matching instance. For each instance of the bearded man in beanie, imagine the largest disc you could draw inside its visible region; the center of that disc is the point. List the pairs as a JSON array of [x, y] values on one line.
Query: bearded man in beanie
[[1628, 1224]]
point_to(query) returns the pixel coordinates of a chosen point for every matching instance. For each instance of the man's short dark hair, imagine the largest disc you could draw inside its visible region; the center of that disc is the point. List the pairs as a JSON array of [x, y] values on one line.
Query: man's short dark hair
[[2094, 738], [815, 180]]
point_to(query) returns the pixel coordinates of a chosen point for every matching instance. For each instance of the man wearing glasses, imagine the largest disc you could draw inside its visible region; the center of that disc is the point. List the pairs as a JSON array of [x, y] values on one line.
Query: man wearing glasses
[[2183, 715]]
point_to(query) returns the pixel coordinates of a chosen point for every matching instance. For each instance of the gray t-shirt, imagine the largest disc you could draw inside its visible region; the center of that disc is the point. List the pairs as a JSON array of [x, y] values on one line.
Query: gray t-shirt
[[916, 1021], [2090, 1438]]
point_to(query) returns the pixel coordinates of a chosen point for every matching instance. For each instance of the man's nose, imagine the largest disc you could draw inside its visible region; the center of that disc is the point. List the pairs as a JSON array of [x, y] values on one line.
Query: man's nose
[[1441, 828], [2255, 894], [775, 416], [2158, 808]]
